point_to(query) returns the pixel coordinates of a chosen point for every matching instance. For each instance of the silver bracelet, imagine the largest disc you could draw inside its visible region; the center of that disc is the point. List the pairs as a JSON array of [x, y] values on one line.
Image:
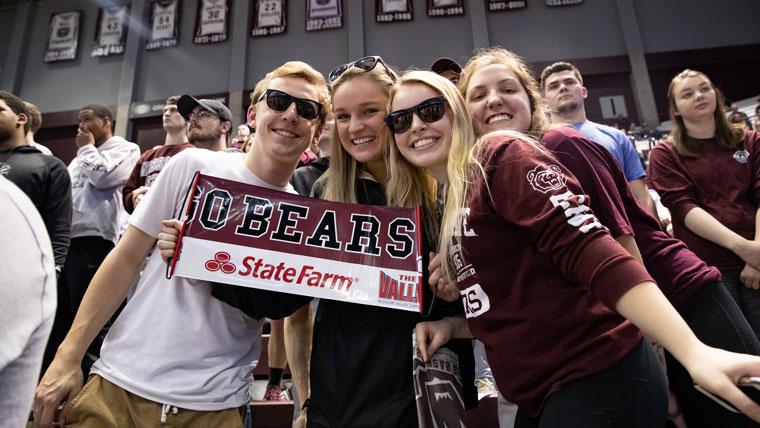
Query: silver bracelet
[[456, 325]]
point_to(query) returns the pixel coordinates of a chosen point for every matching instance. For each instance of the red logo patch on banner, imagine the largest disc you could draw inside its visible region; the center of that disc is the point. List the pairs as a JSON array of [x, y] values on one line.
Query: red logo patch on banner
[[250, 236]]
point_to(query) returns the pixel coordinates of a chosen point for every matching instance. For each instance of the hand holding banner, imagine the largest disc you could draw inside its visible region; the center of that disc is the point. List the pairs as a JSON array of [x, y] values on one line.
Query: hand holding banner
[[254, 237]]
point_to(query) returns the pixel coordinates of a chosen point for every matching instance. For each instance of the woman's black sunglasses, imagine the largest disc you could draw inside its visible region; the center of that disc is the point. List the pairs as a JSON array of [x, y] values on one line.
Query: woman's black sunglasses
[[430, 110], [367, 64], [280, 101]]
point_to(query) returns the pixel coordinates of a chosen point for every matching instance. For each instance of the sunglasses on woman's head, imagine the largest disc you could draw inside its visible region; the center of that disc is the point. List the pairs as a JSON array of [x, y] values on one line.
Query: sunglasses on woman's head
[[429, 111], [367, 64], [280, 101]]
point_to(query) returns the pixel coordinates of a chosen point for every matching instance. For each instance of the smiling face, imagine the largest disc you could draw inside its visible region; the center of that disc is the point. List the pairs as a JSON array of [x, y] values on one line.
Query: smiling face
[[424, 144], [497, 100], [359, 107], [564, 93], [695, 98], [282, 136]]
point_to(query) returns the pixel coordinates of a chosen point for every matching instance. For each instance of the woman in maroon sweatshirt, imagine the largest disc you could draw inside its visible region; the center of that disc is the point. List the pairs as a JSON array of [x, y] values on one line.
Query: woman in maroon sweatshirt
[[544, 284], [708, 176]]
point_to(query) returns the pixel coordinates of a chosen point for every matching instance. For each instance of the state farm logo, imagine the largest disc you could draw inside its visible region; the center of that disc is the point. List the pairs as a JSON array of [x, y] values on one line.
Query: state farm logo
[[545, 178], [221, 262]]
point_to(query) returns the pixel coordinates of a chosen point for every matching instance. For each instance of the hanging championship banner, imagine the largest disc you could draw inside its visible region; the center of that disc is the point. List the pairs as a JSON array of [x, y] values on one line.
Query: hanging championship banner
[[323, 14], [269, 17], [211, 21], [445, 8], [494, 5], [393, 10], [63, 36], [164, 24], [111, 31], [562, 2], [244, 235]]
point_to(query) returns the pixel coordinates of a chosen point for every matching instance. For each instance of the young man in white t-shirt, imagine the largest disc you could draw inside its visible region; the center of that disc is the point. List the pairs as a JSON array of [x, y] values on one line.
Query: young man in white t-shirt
[[176, 354]]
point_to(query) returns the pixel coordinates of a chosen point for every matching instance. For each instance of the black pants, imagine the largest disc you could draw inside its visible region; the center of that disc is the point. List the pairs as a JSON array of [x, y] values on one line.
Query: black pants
[[83, 260], [718, 322], [631, 394], [747, 299]]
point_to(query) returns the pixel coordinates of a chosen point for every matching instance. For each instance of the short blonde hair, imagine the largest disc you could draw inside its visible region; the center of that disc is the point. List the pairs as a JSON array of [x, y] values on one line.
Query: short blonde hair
[[297, 70]]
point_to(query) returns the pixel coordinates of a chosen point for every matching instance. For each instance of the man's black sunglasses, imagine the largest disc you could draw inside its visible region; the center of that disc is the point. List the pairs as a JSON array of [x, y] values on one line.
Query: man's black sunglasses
[[280, 101], [367, 64], [430, 110]]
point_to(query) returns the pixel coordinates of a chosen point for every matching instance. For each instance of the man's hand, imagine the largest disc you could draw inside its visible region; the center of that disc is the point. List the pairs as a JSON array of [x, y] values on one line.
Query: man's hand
[[138, 195], [84, 137], [167, 239], [62, 382]]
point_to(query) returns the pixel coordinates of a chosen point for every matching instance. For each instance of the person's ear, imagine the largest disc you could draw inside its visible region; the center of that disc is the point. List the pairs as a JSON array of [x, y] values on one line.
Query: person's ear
[[584, 92], [225, 126], [21, 119], [251, 116]]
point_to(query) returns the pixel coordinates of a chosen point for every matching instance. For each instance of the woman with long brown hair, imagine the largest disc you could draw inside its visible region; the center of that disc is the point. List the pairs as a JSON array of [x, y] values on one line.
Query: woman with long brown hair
[[708, 175]]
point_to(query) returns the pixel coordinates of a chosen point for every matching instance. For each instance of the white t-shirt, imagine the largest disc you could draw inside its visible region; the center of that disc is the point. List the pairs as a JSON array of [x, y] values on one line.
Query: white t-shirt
[[27, 301], [174, 343]]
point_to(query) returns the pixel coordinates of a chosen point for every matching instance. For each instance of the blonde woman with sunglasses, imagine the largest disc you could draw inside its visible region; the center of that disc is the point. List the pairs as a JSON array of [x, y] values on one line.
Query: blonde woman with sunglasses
[[545, 287], [362, 355]]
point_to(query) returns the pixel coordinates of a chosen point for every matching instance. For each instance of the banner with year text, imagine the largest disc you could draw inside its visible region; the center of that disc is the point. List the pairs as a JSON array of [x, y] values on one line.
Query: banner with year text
[[249, 236]]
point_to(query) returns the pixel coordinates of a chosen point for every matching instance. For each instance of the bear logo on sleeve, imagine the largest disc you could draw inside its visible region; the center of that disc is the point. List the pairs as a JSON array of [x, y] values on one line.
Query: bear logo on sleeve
[[546, 178]]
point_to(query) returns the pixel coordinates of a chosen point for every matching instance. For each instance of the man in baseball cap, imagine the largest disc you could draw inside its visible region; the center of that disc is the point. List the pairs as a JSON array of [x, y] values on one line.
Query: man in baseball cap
[[447, 68], [208, 122]]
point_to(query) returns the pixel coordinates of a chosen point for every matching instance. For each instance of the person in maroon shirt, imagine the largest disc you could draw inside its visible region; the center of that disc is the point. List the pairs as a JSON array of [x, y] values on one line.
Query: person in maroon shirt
[[692, 287], [708, 176], [152, 161], [537, 269]]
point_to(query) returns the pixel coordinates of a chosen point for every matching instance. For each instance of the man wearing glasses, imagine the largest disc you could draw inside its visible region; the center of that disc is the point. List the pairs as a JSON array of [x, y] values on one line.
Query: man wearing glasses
[[176, 354], [208, 122]]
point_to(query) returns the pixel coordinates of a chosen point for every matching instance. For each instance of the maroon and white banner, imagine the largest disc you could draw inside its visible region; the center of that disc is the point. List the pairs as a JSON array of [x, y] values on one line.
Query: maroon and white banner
[[393, 10], [269, 17], [438, 390], [495, 5], [63, 36], [323, 14], [211, 21], [563, 2], [245, 235], [437, 8], [164, 24], [111, 31]]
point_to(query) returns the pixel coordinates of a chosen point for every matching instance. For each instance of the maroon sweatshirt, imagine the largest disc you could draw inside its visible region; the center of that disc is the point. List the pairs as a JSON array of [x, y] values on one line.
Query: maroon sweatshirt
[[540, 276], [147, 168], [722, 182], [679, 272]]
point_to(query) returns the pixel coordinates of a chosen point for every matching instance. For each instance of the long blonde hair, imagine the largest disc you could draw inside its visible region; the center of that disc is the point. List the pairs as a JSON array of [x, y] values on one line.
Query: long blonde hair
[[539, 121], [729, 136], [410, 185], [464, 166], [460, 163], [339, 181]]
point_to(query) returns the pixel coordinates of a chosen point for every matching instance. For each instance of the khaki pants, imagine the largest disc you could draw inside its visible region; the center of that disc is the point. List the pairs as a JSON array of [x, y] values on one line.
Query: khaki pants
[[101, 404]]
